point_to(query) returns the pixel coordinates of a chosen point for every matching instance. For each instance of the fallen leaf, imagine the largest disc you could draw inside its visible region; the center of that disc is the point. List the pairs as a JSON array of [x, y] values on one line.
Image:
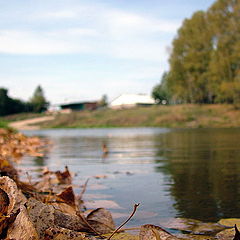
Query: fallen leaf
[[229, 233], [4, 200], [193, 226], [101, 220], [22, 228], [237, 234], [41, 215], [151, 232], [16, 198], [72, 222], [6, 169], [63, 207], [68, 196], [57, 233], [64, 177], [122, 236]]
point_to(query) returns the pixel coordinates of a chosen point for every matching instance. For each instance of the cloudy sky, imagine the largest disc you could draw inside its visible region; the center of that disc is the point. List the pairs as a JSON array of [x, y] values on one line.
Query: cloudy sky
[[82, 49]]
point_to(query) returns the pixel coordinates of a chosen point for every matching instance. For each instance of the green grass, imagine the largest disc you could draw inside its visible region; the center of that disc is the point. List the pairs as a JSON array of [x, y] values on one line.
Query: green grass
[[22, 116], [3, 124], [176, 116]]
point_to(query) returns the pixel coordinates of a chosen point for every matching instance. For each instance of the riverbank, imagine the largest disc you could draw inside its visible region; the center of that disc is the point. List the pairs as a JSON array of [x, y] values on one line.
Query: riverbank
[[175, 116]]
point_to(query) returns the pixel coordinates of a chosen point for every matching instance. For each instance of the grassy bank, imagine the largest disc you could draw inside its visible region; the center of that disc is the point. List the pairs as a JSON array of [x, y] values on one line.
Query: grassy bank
[[178, 116], [22, 116], [3, 123]]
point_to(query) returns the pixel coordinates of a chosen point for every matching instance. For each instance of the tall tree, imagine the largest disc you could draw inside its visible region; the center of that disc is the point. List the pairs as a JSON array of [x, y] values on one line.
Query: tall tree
[[5, 102], [205, 58], [38, 100], [9, 105], [189, 60]]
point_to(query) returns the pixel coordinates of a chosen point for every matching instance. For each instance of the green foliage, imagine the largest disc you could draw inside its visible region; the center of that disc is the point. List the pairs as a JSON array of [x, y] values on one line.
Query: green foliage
[[3, 124], [38, 101], [10, 106], [104, 101], [160, 92], [205, 59]]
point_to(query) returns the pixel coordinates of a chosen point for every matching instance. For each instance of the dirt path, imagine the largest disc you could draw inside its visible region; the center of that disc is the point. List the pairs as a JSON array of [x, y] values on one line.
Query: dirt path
[[30, 124]]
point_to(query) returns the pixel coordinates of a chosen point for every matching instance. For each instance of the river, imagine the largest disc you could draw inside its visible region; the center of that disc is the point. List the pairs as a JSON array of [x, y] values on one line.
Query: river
[[190, 173]]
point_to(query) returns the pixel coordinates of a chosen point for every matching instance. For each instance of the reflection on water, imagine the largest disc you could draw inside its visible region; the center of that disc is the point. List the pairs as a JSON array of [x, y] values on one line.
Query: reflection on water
[[204, 166], [172, 173]]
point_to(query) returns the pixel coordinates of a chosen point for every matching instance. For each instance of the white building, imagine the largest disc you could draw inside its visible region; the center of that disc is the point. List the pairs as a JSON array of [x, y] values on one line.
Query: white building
[[131, 100]]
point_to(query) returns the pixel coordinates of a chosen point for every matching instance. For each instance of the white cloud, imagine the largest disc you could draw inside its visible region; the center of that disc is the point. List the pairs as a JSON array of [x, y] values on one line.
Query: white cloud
[[104, 31], [61, 14], [124, 22], [41, 43]]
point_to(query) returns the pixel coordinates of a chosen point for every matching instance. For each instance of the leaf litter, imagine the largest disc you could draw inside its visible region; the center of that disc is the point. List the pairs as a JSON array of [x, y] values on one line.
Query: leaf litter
[[49, 209]]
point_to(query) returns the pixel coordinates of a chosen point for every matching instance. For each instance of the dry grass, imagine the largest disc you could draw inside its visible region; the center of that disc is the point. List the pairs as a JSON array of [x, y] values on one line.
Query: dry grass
[[177, 116]]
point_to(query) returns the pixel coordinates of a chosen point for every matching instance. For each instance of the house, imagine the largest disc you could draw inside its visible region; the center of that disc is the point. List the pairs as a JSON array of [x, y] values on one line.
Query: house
[[131, 100], [79, 106]]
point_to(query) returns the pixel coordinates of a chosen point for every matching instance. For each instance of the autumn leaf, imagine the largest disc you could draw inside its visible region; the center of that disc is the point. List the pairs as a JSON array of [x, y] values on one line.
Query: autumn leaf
[[151, 232], [67, 196], [64, 177], [57, 233], [22, 228], [101, 220], [72, 222], [237, 234]]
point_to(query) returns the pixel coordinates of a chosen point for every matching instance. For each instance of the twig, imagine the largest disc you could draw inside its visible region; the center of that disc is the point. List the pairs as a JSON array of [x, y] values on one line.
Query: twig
[[29, 178], [84, 189], [134, 210], [128, 229], [87, 223]]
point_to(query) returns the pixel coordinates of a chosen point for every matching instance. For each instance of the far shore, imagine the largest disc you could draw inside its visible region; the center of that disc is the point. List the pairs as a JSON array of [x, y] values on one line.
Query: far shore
[[171, 116]]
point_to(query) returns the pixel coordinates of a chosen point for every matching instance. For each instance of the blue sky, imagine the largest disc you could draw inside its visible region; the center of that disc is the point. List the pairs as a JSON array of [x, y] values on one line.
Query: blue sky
[[79, 50]]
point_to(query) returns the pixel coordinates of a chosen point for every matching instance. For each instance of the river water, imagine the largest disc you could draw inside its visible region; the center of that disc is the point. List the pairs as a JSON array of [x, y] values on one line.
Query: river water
[[190, 173]]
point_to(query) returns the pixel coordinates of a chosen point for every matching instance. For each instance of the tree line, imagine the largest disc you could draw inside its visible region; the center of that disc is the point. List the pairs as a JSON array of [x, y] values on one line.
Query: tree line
[[8, 105], [204, 65]]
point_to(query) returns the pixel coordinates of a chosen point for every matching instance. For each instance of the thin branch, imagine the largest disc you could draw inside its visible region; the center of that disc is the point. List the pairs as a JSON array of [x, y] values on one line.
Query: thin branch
[[84, 189], [134, 210]]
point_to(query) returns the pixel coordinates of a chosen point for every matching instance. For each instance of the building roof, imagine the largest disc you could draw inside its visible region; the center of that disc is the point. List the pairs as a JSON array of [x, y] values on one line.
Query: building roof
[[76, 103], [131, 99]]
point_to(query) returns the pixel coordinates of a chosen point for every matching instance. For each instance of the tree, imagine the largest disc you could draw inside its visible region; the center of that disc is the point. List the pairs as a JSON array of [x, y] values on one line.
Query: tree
[[4, 102], [11, 106], [104, 101], [38, 101], [189, 60], [160, 92], [205, 58]]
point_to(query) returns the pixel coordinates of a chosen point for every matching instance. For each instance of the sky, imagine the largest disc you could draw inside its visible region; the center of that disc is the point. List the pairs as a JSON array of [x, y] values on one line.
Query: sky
[[78, 50]]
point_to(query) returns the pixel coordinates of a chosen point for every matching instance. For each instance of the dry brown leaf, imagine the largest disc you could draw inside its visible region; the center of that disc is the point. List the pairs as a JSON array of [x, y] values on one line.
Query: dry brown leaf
[[193, 226], [63, 207], [4, 202], [57, 233], [6, 169], [22, 228], [151, 232], [41, 215], [46, 184], [16, 198], [67, 196], [101, 220], [72, 222], [64, 177]]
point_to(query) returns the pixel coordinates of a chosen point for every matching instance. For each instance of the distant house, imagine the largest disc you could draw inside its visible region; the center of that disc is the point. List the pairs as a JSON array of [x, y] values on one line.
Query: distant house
[[79, 106], [131, 100]]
